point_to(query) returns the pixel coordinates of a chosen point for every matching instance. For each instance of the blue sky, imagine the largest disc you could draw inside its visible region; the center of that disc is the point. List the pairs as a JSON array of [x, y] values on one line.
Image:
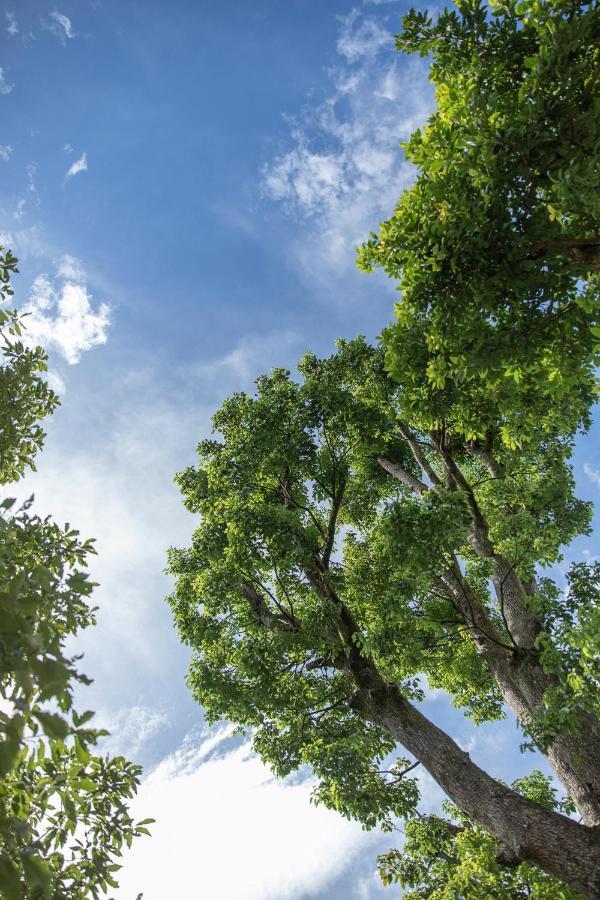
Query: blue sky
[[184, 185]]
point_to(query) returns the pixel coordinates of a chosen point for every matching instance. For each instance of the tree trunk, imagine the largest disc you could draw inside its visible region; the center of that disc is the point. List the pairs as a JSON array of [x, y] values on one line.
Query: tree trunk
[[524, 830], [523, 683], [584, 252], [518, 673]]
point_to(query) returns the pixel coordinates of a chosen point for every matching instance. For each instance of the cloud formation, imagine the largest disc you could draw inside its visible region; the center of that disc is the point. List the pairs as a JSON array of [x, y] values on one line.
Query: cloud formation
[[5, 87], [80, 165], [131, 728], [592, 474], [5, 152], [60, 26], [343, 169], [226, 828], [61, 317], [12, 26], [254, 355]]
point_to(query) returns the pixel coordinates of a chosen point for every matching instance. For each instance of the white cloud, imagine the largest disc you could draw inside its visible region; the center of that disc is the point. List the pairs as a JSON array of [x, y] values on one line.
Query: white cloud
[[68, 149], [362, 37], [80, 165], [131, 728], [592, 474], [12, 26], [5, 87], [60, 26], [345, 170], [254, 355], [62, 317], [56, 383], [226, 828], [5, 152], [70, 268]]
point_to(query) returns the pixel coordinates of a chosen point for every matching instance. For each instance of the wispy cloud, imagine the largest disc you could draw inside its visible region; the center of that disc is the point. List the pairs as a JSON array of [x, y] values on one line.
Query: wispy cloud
[[61, 317], [343, 169], [12, 26], [60, 26], [592, 474], [253, 355], [362, 37], [5, 152], [32, 195], [5, 87], [80, 165], [131, 728], [32, 169], [224, 800]]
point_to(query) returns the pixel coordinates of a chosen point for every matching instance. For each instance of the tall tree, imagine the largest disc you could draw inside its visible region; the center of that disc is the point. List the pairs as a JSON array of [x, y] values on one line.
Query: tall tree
[[496, 245], [358, 535], [342, 556], [63, 810]]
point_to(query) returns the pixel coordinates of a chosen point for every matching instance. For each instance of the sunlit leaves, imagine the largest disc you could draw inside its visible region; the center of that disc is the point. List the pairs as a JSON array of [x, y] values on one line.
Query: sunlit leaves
[[451, 857], [63, 811], [496, 245]]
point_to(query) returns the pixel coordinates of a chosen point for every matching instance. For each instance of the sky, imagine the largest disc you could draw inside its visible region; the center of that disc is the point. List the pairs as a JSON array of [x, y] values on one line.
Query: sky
[[184, 185]]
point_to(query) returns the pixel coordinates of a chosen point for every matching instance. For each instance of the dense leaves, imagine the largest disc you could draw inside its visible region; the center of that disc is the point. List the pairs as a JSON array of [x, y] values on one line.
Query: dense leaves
[[25, 397], [63, 810], [496, 246], [307, 546], [448, 858]]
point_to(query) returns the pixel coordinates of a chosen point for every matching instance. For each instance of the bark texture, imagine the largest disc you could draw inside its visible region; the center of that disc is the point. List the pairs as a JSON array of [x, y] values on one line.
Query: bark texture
[[515, 666], [524, 830]]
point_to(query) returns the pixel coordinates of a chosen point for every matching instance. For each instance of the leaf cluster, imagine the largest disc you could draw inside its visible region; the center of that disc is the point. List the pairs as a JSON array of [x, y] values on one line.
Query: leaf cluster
[[451, 858], [496, 245], [63, 810]]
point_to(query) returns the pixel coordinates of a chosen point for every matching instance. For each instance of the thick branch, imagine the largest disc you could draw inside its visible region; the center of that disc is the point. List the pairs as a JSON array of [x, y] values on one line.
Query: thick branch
[[523, 829], [495, 468], [522, 624], [332, 524], [583, 251], [418, 454], [261, 610], [397, 471]]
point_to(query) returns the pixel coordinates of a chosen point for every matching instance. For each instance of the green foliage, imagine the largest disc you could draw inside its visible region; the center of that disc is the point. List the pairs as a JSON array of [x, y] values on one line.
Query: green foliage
[[297, 520], [570, 649], [273, 495], [25, 397], [496, 244], [63, 813], [352, 524], [451, 859]]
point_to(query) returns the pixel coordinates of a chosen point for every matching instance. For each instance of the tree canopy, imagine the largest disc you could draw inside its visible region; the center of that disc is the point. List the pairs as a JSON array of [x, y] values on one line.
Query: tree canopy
[[496, 246], [383, 521], [63, 809], [326, 573]]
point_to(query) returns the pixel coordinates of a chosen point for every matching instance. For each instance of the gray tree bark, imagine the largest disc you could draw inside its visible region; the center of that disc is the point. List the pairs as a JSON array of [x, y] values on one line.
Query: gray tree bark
[[516, 669], [524, 830]]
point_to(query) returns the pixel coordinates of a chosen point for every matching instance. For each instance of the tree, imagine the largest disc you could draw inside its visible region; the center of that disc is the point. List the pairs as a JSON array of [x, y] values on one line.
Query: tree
[[361, 533], [343, 556], [445, 858], [63, 810], [496, 246]]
